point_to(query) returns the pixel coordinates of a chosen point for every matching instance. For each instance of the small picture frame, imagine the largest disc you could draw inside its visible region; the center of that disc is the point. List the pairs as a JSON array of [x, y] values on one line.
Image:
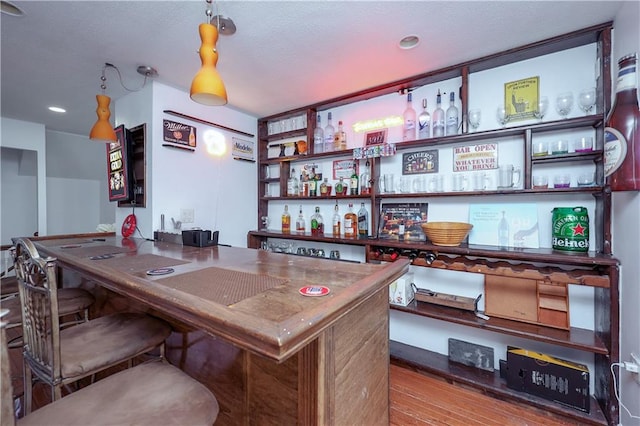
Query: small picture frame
[[375, 137], [521, 98]]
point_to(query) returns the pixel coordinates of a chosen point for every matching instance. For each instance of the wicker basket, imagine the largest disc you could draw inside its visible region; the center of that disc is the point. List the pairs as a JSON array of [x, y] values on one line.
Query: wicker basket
[[448, 234]]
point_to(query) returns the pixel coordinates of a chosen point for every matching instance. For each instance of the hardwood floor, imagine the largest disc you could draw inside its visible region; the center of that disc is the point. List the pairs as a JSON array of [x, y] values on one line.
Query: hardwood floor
[[417, 399]]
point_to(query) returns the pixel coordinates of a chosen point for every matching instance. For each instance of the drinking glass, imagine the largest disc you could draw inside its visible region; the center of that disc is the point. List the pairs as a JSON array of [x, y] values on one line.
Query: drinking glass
[[543, 104], [587, 100], [564, 102], [474, 118], [501, 115]]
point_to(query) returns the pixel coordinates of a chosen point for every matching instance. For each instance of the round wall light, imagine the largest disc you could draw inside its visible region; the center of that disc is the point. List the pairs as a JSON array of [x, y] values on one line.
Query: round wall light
[[409, 42]]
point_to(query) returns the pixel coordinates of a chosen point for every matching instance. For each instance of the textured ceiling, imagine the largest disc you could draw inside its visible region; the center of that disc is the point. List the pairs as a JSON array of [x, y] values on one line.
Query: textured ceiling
[[284, 55]]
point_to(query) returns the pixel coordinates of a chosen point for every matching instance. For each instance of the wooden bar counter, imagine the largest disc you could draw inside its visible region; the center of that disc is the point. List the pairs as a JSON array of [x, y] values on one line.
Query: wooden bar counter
[[242, 327]]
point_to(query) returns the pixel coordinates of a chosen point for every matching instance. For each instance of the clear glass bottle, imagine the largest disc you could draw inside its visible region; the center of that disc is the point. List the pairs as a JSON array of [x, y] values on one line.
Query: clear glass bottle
[[365, 180], [329, 133], [503, 231], [424, 122], [363, 221], [336, 221], [409, 116], [317, 223], [350, 223], [286, 220], [622, 132], [324, 188], [292, 184], [313, 183], [353, 182], [300, 223], [438, 118], [340, 138], [318, 137], [452, 116]]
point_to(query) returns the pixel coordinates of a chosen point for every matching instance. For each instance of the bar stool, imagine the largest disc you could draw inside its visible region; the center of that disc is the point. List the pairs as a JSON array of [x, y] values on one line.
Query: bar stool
[[60, 357], [149, 394]]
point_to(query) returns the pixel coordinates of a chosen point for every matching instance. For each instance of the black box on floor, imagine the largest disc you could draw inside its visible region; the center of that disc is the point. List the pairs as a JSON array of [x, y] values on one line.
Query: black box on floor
[[551, 378]]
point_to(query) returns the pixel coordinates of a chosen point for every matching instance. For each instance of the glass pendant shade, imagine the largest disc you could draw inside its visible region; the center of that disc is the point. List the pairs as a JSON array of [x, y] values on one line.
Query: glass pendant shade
[[207, 87], [102, 131]]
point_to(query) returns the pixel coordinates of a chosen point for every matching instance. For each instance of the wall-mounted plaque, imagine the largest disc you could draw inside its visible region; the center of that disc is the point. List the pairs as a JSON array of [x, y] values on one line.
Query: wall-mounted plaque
[[521, 98], [118, 167], [420, 162], [179, 134]]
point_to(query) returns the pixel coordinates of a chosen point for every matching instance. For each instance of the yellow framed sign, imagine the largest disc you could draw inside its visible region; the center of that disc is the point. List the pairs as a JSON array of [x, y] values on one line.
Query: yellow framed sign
[[521, 98]]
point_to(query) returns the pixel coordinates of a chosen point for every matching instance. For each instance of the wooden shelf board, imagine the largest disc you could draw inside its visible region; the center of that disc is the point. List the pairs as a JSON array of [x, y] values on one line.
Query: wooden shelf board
[[576, 338], [490, 383]]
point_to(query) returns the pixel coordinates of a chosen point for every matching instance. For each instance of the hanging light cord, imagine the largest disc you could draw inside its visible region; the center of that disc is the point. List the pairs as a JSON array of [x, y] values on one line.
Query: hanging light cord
[[103, 86]]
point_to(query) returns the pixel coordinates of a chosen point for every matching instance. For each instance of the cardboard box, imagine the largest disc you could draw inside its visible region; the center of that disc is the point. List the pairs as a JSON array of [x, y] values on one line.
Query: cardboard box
[[551, 378], [401, 291]]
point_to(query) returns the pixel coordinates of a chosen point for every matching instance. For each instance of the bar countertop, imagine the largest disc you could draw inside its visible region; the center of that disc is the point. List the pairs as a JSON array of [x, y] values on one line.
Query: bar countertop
[[248, 297]]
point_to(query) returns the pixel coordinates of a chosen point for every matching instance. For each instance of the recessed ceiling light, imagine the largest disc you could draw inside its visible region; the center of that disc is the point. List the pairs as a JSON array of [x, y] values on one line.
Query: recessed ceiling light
[[10, 9], [409, 42], [57, 109]]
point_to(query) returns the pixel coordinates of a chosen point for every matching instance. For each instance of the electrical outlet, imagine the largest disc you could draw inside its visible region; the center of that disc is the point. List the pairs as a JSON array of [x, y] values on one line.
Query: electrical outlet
[[186, 215], [636, 359]]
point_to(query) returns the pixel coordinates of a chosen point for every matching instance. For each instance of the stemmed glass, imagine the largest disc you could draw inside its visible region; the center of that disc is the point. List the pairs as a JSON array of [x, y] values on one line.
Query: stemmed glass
[[543, 104], [501, 115], [474, 118], [587, 100], [564, 102]]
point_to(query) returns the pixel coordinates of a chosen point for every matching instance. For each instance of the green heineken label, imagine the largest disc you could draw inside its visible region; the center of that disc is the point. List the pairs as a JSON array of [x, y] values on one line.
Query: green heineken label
[[570, 229]]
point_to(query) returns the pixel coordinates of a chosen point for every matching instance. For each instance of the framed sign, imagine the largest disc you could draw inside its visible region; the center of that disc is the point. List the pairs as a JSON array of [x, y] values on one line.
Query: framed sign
[[344, 169], [482, 156], [118, 168], [421, 162], [375, 137], [402, 221], [521, 98], [179, 134]]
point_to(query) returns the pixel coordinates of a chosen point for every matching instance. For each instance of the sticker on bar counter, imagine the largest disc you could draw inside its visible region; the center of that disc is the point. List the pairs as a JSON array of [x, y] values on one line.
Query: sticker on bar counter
[[68, 246], [101, 257], [160, 271], [314, 290]]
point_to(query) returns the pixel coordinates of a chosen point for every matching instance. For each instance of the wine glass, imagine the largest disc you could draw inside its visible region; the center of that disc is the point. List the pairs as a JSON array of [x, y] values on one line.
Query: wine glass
[[501, 115], [474, 118], [564, 102], [587, 100], [543, 104]]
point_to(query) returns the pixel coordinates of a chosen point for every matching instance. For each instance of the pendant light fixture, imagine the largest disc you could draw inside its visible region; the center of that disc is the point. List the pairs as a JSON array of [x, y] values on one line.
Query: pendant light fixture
[[207, 87], [102, 131]]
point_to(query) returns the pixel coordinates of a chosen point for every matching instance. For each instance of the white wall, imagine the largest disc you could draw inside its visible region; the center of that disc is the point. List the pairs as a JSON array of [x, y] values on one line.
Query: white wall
[[27, 136], [626, 234], [221, 191], [19, 216]]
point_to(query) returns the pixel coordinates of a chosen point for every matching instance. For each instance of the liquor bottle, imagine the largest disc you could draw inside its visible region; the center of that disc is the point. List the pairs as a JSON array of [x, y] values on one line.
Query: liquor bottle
[[324, 188], [292, 184], [393, 253], [329, 133], [363, 221], [353, 182], [300, 223], [424, 122], [428, 256], [350, 223], [365, 180], [340, 138], [286, 220], [622, 134], [452, 116], [401, 229], [318, 137], [409, 116], [317, 224], [192, 138], [340, 186], [336, 221], [438, 118], [503, 231], [313, 184]]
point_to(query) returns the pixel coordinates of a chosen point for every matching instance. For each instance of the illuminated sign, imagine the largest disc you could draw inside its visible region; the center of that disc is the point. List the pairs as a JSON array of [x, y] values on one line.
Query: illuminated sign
[[380, 123]]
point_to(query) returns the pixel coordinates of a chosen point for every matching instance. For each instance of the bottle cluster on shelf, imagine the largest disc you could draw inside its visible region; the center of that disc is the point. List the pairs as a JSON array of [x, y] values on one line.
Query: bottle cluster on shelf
[[444, 123], [310, 185], [349, 225]]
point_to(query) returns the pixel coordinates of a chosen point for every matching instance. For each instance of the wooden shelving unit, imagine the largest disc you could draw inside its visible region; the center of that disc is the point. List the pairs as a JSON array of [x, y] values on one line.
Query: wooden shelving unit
[[597, 269]]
